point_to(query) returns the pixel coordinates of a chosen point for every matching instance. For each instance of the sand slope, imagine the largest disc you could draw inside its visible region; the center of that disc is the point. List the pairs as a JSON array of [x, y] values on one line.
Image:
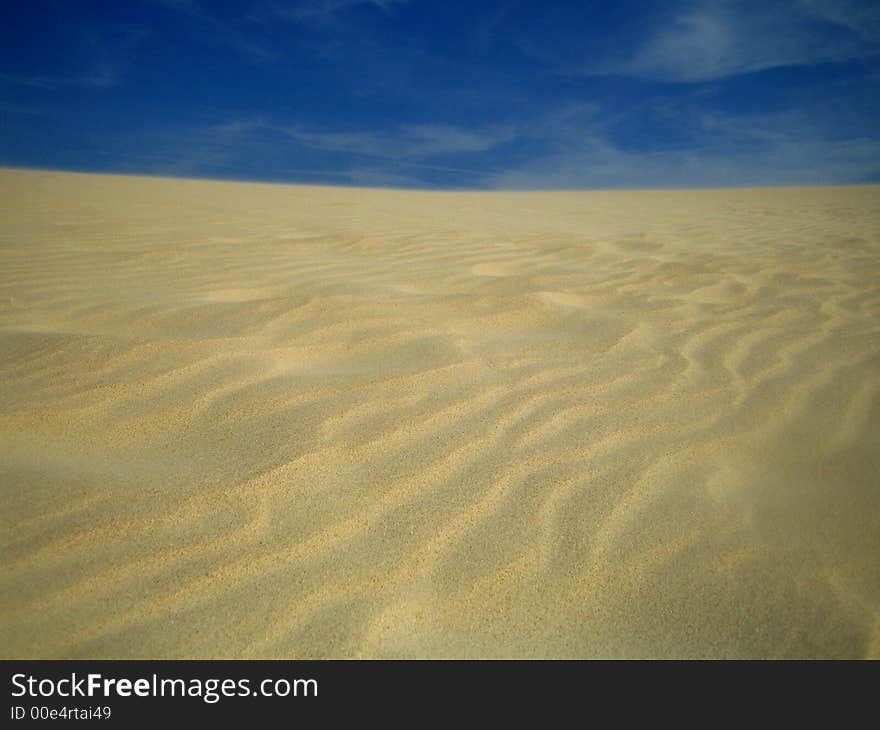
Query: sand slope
[[247, 420]]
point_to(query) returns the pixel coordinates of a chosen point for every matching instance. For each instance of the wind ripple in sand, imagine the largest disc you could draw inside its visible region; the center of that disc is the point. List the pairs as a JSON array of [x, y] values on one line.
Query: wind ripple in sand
[[243, 420]]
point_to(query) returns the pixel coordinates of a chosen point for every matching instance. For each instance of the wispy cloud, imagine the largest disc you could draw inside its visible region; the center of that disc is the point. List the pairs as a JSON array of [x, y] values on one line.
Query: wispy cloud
[[604, 167], [859, 16], [412, 141], [415, 156], [323, 10], [716, 150], [372, 177], [714, 39], [215, 29], [323, 15], [103, 59], [21, 109], [506, 94], [190, 7], [97, 79], [404, 143]]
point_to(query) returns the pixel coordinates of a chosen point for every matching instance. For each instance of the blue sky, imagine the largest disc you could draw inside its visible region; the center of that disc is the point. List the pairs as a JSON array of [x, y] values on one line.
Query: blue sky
[[447, 94]]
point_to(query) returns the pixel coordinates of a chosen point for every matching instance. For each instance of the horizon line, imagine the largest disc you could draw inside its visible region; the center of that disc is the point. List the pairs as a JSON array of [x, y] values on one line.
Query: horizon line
[[293, 183]]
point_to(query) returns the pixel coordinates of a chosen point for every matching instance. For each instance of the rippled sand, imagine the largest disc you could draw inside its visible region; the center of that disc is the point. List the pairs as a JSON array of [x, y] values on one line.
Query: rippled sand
[[244, 420]]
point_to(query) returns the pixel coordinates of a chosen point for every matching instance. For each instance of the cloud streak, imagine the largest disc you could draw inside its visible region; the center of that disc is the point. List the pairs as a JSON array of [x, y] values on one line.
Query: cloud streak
[[455, 95], [325, 13], [413, 141], [106, 56], [711, 40], [414, 157], [95, 79], [717, 150]]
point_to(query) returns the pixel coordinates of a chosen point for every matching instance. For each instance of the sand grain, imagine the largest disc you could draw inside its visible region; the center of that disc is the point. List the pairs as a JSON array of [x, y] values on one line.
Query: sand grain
[[244, 420]]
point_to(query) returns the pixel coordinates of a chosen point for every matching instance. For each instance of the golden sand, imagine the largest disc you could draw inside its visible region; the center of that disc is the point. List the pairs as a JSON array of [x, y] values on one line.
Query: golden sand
[[243, 420]]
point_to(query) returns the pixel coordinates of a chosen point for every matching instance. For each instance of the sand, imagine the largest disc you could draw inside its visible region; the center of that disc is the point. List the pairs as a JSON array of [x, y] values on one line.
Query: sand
[[244, 420]]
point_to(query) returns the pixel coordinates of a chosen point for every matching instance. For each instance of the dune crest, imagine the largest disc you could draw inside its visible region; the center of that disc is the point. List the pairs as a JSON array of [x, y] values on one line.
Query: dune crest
[[243, 420]]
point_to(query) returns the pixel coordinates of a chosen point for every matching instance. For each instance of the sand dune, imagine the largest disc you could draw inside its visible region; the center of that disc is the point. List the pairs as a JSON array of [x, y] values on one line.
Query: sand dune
[[244, 420]]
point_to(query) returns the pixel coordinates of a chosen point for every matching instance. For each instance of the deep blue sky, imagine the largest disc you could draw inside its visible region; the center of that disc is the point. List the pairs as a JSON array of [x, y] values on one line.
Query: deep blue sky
[[447, 93]]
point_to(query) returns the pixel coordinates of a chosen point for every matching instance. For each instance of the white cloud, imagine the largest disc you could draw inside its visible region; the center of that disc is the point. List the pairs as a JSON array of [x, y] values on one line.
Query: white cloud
[[573, 146], [364, 176], [811, 163], [96, 79], [190, 7], [863, 18], [406, 157], [216, 29], [323, 12], [415, 141], [721, 151], [716, 39], [102, 59]]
